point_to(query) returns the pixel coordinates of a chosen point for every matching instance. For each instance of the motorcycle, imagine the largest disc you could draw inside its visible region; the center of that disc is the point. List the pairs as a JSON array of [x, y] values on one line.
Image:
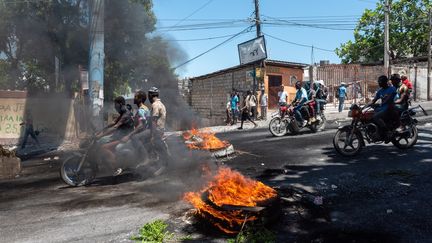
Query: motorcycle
[[350, 139], [284, 120], [84, 165]]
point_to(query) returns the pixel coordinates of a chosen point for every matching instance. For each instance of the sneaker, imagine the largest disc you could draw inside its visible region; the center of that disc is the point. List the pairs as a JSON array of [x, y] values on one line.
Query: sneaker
[[318, 118], [304, 123], [118, 172], [240, 128], [400, 129]]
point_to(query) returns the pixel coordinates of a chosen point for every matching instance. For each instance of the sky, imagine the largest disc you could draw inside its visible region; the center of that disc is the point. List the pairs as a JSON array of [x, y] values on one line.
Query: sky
[[324, 24]]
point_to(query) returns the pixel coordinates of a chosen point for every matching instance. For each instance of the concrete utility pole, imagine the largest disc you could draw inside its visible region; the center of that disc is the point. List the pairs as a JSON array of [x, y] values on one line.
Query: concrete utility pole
[[257, 18], [386, 37], [429, 55], [96, 60]]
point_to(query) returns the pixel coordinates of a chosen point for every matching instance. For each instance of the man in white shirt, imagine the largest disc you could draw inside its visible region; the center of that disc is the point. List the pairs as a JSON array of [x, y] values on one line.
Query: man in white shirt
[[263, 104], [283, 95]]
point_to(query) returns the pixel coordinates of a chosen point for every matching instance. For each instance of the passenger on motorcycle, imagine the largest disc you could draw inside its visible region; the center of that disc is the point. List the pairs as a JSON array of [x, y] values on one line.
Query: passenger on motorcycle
[[142, 116], [111, 135], [386, 93], [402, 93], [300, 98], [154, 135], [321, 96]]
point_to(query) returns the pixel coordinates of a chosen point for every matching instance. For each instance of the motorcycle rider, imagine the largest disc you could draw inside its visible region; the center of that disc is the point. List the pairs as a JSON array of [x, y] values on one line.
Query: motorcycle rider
[[111, 135], [386, 93], [300, 98]]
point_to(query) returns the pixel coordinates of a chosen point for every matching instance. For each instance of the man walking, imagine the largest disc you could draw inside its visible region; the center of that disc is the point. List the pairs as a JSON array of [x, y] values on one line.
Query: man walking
[[263, 104], [341, 94], [246, 110]]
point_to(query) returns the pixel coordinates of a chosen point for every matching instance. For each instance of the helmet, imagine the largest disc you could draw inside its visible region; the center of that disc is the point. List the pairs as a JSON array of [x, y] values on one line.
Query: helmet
[[153, 90]]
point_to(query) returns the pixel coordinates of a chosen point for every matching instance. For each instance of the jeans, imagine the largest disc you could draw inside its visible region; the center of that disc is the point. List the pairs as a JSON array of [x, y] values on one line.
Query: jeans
[[29, 132], [379, 118], [341, 103], [264, 112], [298, 114], [234, 115], [319, 103]]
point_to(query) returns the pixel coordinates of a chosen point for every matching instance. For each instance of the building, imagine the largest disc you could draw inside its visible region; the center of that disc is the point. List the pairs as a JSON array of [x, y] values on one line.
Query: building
[[210, 93]]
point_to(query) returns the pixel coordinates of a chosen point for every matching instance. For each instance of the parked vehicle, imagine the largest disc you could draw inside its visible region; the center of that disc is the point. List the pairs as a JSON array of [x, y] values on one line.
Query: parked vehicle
[[284, 120], [83, 166], [350, 139]]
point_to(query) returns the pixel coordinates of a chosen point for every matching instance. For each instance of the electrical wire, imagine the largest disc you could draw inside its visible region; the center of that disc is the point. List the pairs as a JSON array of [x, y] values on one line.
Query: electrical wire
[[298, 44], [248, 29]]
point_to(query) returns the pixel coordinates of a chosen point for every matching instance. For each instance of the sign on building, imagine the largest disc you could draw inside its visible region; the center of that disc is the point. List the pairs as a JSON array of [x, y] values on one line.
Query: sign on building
[[252, 51]]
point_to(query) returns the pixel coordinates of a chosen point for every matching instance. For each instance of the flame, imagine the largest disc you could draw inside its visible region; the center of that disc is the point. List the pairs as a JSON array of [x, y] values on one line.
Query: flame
[[229, 187], [205, 140]]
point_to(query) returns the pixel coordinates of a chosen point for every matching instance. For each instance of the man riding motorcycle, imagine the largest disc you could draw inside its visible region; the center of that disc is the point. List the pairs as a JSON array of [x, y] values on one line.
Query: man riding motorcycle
[[384, 112], [320, 97], [300, 98], [111, 135], [402, 94], [142, 116]]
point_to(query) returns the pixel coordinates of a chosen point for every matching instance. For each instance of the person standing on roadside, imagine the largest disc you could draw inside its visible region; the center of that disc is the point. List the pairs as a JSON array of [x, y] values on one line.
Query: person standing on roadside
[[253, 104], [234, 107], [341, 93], [283, 95], [246, 110], [263, 105]]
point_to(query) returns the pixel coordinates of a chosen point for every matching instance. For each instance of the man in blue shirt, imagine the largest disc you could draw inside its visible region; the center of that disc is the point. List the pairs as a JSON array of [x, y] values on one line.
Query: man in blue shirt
[[387, 94], [342, 93], [234, 107], [300, 98]]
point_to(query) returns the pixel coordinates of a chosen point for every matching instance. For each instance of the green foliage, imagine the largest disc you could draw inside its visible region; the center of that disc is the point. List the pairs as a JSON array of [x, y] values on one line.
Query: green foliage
[[408, 32], [254, 235], [154, 232]]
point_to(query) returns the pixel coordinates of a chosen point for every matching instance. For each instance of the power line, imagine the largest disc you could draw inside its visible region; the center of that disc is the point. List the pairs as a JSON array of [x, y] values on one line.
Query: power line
[[194, 12], [298, 44], [202, 39], [248, 29]]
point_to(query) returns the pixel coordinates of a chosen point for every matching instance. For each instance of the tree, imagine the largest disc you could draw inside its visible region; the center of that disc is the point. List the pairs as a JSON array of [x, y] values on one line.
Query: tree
[[409, 30]]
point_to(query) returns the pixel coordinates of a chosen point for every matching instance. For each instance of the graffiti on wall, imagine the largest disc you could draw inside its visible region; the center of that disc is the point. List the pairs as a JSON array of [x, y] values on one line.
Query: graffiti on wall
[[11, 115]]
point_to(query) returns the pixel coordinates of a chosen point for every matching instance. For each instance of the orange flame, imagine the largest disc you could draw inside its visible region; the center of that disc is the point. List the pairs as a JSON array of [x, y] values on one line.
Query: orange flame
[[205, 140], [229, 188]]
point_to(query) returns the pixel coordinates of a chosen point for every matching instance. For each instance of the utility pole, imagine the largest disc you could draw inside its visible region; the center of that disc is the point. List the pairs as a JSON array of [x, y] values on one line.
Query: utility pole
[[257, 18], [96, 60], [429, 55], [386, 37]]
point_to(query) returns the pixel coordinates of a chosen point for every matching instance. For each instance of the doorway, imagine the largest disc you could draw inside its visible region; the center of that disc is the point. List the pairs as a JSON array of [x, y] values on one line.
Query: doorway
[[274, 83]]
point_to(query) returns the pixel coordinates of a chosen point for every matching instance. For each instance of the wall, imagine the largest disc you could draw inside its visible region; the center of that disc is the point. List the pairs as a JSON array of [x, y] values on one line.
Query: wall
[[54, 117], [367, 76], [209, 95]]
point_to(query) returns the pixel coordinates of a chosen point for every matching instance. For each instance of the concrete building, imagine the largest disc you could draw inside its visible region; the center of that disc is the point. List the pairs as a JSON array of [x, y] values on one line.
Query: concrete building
[[210, 93]]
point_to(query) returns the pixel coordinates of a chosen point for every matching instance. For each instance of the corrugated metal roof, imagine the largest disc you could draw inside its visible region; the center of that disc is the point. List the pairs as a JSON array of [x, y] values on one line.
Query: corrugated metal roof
[[267, 62]]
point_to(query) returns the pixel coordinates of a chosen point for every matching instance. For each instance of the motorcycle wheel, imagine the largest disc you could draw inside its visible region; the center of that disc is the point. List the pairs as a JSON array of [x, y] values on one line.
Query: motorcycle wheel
[[70, 175], [278, 127], [404, 142], [342, 146]]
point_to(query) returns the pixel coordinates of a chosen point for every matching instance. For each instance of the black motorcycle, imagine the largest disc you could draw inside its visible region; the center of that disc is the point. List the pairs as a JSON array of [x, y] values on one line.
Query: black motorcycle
[[84, 165]]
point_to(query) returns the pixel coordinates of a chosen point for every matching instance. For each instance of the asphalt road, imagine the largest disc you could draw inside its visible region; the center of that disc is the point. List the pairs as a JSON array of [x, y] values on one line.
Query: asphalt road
[[383, 194]]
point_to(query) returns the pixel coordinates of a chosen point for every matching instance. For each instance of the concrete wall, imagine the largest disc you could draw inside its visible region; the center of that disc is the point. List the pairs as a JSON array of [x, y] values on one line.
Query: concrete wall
[[54, 117], [209, 96]]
